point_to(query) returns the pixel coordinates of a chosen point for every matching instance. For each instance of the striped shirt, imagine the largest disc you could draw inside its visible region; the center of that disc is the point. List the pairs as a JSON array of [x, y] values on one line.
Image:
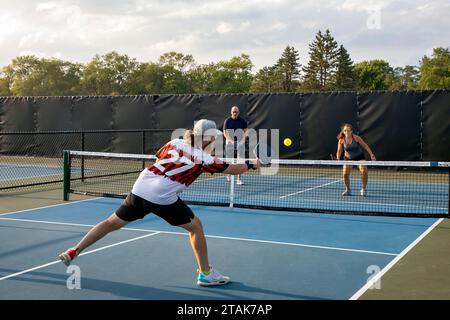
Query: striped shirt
[[177, 167]]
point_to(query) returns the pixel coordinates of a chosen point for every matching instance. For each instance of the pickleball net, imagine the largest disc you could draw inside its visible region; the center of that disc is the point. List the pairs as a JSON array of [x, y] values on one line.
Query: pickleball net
[[395, 188]]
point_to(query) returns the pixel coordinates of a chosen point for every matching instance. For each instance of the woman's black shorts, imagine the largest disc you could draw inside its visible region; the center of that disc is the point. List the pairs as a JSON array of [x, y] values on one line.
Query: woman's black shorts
[[357, 158], [134, 207]]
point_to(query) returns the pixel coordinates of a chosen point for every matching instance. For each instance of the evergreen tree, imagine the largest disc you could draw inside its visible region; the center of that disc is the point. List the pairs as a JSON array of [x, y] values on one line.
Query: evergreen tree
[[321, 68], [288, 69], [344, 78], [406, 78], [263, 80]]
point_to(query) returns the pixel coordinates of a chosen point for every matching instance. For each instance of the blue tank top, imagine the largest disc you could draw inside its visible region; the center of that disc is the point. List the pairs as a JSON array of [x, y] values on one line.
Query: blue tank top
[[352, 150]]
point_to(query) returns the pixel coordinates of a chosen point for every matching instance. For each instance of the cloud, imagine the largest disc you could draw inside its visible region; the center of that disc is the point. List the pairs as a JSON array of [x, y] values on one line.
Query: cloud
[[8, 25], [368, 5], [224, 27], [219, 29]]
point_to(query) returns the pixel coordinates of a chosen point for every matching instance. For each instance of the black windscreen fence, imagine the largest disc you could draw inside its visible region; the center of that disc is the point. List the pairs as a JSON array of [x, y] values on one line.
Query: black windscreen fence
[[398, 126]]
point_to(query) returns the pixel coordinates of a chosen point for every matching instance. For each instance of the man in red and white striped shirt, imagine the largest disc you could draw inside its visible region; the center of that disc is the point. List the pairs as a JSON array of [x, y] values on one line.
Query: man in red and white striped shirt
[[180, 162]]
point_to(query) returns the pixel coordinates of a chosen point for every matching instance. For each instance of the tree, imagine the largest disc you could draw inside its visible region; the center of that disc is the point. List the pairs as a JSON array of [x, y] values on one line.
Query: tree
[[323, 54], [229, 76], [405, 78], [5, 83], [344, 78], [435, 70], [203, 77], [266, 80], [147, 79], [288, 68], [109, 74], [178, 61], [373, 75], [234, 75], [31, 76], [176, 67]]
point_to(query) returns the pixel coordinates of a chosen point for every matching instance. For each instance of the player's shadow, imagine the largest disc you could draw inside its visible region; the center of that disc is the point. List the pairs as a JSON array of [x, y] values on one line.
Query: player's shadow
[[93, 289], [231, 291], [99, 289]]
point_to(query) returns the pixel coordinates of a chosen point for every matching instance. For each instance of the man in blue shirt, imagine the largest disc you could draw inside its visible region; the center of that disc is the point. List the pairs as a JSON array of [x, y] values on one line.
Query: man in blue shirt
[[235, 131]]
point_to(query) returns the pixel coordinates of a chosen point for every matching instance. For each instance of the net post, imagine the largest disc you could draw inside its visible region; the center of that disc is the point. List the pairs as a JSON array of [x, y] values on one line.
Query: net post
[[231, 191], [66, 168], [231, 199]]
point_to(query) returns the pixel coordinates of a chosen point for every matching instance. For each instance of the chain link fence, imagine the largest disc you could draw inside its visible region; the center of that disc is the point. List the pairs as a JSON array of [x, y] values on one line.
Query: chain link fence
[[33, 159]]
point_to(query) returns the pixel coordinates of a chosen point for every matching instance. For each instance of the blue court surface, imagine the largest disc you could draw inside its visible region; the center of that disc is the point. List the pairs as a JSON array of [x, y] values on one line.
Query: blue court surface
[[384, 196], [14, 171], [11, 171], [268, 254]]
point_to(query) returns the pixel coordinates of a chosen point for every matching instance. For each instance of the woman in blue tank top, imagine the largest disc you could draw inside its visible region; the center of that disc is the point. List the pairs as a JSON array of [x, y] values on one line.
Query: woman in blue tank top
[[351, 143]]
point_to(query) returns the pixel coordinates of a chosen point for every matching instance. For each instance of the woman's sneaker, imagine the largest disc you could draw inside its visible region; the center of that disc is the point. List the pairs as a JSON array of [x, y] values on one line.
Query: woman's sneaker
[[346, 192], [68, 256], [214, 278]]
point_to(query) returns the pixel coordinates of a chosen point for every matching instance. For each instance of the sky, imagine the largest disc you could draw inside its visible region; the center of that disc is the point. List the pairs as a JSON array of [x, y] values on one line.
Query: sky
[[400, 32]]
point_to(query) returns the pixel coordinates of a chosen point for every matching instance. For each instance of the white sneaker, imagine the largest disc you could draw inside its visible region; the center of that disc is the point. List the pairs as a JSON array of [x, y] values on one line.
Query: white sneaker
[[346, 192], [214, 278], [240, 182], [228, 179], [363, 193]]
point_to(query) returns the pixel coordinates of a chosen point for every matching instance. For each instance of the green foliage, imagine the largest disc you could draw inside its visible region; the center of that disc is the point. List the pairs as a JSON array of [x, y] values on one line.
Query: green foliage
[[229, 76], [374, 75], [267, 80], [31, 76], [287, 69], [406, 78], [330, 67], [323, 61], [435, 70], [108, 74], [344, 78], [281, 77], [177, 60], [5, 83]]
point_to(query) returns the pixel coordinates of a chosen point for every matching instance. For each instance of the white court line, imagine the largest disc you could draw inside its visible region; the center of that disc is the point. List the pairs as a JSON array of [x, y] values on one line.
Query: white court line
[[359, 202], [70, 224], [303, 245], [378, 276], [309, 189], [51, 206], [218, 237], [82, 254]]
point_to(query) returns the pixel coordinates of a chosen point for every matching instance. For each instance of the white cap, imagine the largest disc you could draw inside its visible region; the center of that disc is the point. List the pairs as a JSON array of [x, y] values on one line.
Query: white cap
[[206, 128]]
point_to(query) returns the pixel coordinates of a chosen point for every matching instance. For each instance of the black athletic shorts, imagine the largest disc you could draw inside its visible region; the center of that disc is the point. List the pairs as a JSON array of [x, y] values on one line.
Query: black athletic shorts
[[134, 207], [357, 158]]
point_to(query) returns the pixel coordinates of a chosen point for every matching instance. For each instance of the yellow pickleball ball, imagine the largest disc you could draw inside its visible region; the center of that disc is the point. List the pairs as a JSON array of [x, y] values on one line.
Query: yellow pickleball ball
[[287, 142]]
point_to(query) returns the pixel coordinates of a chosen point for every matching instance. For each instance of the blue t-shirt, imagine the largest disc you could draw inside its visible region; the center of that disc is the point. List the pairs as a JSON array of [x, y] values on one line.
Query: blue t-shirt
[[231, 123], [235, 124]]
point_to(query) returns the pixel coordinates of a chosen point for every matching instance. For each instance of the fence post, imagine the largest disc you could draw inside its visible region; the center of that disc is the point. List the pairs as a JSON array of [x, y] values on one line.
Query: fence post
[[143, 148], [66, 181], [82, 157]]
